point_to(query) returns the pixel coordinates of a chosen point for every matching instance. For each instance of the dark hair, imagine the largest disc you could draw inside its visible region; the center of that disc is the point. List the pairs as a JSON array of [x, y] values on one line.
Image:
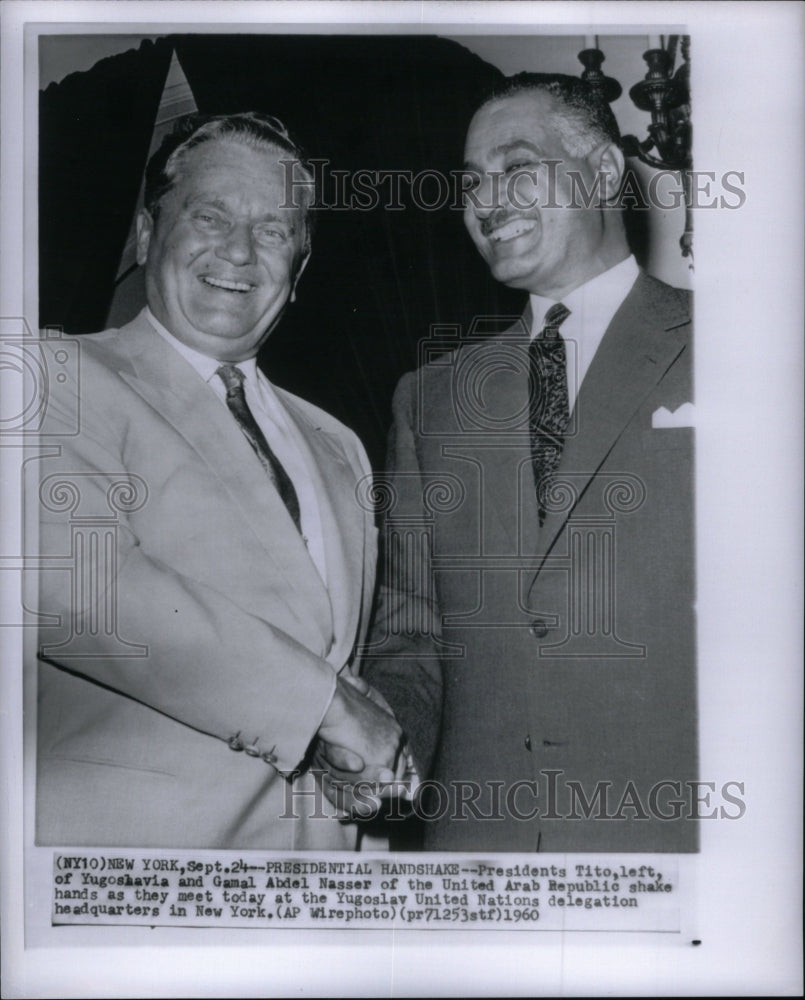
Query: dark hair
[[252, 128], [583, 118]]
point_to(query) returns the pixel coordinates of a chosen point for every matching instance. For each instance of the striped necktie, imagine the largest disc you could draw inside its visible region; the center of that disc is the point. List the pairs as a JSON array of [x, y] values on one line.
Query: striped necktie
[[233, 378]]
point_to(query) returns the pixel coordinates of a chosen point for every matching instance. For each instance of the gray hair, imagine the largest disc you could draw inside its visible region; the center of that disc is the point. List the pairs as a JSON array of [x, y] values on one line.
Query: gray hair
[[582, 119], [251, 128]]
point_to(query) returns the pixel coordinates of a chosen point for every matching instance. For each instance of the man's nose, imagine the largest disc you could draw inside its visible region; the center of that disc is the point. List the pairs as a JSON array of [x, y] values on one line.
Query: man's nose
[[488, 196], [237, 245]]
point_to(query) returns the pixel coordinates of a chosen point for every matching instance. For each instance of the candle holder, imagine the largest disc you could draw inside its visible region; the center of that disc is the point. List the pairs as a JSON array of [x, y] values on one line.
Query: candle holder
[[603, 86], [665, 94], [667, 99]]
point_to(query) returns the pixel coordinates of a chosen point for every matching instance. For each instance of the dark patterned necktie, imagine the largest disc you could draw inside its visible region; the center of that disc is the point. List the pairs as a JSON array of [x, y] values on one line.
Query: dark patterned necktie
[[548, 402], [233, 377]]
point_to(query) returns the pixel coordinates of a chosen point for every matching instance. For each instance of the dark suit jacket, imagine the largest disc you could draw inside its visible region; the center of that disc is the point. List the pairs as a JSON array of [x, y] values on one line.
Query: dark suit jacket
[[181, 611], [553, 667]]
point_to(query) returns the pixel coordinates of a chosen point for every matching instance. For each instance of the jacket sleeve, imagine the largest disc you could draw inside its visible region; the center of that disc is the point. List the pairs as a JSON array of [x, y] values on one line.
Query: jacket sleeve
[[199, 657], [401, 659]]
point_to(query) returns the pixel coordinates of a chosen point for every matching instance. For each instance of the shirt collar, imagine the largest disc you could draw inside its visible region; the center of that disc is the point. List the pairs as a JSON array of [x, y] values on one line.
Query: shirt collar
[[592, 304], [203, 363]]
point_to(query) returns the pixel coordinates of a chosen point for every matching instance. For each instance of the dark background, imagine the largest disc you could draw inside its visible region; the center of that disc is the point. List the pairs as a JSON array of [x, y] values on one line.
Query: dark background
[[377, 281]]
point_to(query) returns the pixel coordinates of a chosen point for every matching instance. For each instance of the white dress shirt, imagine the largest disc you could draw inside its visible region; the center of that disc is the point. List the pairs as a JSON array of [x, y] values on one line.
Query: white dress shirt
[[279, 430], [592, 307]]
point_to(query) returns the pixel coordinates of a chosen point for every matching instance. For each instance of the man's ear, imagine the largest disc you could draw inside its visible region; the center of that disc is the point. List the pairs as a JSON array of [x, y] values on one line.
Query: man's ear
[[607, 159], [298, 275], [145, 229]]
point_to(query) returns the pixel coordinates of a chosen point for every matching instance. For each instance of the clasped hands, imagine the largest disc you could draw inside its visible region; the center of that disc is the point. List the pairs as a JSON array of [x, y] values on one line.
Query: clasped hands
[[361, 751]]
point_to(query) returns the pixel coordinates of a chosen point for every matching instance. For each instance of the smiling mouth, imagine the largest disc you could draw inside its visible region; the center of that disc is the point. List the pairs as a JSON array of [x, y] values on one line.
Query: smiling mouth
[[511, 230], [226, 285]]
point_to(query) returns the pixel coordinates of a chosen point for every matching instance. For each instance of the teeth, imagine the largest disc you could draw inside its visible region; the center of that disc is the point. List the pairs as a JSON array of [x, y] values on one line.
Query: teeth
[[230, 286], [511, 229]]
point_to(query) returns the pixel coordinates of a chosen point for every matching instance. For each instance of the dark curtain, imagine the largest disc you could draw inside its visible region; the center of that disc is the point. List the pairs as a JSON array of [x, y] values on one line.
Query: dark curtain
[[378, 280], [94, 132]]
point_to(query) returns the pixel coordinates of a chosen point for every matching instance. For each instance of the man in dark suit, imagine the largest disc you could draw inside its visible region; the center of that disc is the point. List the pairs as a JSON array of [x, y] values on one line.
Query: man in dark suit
[[209, 568], [535, 631]]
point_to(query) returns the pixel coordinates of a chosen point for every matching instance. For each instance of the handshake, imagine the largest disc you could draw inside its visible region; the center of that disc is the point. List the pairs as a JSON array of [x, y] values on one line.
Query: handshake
[[362, 752]]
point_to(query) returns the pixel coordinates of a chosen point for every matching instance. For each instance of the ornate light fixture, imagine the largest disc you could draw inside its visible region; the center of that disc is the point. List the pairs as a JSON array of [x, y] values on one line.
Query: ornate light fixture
[[604, 86], [665, 94]]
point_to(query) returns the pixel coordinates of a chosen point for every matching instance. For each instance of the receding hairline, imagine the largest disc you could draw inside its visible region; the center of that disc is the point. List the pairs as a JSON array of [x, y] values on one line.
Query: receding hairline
[[176, 167], [534, 91], [260, 143], [175, 163], [573, 121], [522, 137]]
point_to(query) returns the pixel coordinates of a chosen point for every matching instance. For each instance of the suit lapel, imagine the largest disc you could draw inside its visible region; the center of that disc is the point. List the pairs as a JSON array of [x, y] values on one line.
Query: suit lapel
[[342, 522], [637, 349], [181, 397]]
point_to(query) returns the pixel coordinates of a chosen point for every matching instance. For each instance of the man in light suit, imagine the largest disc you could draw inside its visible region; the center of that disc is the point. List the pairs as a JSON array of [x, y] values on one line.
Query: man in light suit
[[209, 565], [535, 633]]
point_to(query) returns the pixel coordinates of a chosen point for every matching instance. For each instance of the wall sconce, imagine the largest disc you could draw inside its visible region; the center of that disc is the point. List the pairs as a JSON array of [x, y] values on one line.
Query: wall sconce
[[665, 94]]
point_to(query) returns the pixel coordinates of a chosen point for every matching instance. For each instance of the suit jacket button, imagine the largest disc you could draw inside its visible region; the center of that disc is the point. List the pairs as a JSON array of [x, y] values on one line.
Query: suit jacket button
[[269, 757], [252, 750], [235, 742], [539, 629], [527, 742]]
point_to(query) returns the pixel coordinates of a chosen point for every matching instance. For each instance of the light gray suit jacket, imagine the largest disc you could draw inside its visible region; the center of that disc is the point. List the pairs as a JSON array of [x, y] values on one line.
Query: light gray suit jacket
[[183, 615]]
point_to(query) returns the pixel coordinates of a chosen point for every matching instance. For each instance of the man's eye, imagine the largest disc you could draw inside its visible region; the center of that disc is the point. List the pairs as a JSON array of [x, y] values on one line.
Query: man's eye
[[470, 181], [269, 234], [519, 165], [208, 220]]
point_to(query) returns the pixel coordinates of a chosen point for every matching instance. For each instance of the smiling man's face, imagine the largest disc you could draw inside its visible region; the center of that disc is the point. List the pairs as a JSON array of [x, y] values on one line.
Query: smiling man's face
[[520, 208], [223, 255]]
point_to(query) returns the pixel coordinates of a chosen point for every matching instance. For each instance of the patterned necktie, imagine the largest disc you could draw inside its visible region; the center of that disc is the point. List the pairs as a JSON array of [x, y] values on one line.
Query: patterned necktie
[[548, 402], [233, 377]]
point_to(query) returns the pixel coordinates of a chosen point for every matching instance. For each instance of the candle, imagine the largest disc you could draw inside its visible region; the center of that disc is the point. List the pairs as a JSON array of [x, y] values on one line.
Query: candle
[[655, 41], [591, 41]]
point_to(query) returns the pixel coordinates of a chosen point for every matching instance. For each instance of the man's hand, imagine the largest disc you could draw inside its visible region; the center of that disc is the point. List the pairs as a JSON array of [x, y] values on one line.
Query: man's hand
[[359, 738], [348, 771]]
